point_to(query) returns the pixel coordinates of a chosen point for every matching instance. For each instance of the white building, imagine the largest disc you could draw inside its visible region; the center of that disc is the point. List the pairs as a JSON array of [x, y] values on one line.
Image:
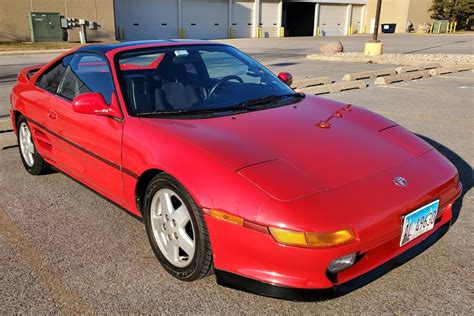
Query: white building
[[211, 19]]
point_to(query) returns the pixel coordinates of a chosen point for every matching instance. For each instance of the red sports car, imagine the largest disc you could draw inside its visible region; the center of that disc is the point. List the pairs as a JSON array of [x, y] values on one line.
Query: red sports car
[[233, 172]]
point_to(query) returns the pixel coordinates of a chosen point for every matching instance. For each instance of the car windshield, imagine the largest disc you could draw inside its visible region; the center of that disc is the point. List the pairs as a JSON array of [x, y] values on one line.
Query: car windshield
[[197, 80]]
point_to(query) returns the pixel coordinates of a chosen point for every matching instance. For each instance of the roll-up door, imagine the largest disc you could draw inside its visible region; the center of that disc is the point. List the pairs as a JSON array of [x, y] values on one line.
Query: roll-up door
[[205, 19], [332, 19], [242, 16], [269, 18], [356, 18], [147, 19]]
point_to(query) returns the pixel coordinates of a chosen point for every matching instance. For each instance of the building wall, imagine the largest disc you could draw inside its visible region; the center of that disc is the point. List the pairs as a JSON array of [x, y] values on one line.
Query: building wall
[[14, 20], [14, 25], [399, 12], [393, 11], [418, 12]]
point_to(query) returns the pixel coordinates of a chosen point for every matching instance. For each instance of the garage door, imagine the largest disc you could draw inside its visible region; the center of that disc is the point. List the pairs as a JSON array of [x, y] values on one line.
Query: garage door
[[332, 19], [356, 18], [242, 14], [147, 19], [269, 20], [205, 19]]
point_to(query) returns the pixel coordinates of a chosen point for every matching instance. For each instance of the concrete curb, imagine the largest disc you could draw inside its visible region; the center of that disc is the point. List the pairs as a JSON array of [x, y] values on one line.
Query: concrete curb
[[33, 52], [334, 87], [310, 82], [5, 125], [449, 70], [368, 74], [404, 69], [402, 77]]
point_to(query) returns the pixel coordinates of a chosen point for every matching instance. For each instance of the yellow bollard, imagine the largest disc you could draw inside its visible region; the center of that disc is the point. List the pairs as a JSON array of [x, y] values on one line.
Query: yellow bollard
[[365, 29], [182, 32], [282, 31], [431, 27], [439, 28], [318, 31]]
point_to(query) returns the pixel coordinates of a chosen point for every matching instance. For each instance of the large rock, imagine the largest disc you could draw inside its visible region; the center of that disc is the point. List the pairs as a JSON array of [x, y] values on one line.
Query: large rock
[[331, 47]]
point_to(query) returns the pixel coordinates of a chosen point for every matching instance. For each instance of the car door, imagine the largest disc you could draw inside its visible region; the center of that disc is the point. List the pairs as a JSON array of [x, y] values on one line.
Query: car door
[[90, 144], [38, 101]]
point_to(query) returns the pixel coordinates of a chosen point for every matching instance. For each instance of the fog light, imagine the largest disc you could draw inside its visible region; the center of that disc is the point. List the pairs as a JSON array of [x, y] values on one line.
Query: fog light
[[342, 263]]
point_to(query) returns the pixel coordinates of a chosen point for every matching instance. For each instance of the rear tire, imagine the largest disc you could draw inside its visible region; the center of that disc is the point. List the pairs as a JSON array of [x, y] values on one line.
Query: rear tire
[[176, 229], [32, 161]]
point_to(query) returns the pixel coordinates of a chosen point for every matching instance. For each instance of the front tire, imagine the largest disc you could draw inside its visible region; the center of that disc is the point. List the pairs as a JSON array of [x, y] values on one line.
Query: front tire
[[30, 157], [176, 229]]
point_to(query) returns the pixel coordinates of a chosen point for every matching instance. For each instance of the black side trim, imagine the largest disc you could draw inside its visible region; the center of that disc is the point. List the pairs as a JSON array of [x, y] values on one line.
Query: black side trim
[[84, 150], [242, 283]]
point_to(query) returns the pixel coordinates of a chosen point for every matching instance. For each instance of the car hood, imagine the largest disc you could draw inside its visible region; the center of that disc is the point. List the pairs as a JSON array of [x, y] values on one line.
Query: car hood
[[302, 148]]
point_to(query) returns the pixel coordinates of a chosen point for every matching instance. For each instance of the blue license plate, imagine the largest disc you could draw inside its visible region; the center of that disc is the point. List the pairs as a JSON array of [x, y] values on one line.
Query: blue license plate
[[418, 222]]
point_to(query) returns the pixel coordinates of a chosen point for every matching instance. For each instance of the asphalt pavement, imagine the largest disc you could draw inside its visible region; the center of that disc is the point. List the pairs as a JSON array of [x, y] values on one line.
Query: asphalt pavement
[[64, 249]]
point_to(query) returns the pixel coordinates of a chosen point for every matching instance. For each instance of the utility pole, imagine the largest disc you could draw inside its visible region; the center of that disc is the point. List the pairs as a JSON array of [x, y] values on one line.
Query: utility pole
[[374, 47], [377, 21]]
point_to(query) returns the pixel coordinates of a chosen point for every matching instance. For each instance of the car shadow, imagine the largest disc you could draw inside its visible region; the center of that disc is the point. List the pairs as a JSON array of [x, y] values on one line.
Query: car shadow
[[465, 173]]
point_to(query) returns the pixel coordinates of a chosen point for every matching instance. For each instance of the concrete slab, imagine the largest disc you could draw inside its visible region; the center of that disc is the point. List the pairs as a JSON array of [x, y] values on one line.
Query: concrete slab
[[310, 82], [369, 74], [5, 125], [402, 77], [334, 87], [7, 140]]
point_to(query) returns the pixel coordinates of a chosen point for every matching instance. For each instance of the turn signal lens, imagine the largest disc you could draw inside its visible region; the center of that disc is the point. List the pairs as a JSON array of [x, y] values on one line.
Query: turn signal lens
[[288, 237], [312, 240], [226, 217]]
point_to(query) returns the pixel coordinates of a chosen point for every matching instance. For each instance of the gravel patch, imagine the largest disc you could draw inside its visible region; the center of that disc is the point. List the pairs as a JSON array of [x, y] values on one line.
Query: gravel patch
[[401, 59]]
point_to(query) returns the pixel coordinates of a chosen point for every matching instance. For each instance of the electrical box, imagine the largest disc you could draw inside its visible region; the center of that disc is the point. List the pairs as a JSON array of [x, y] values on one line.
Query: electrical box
[[82, 21], [92, 25], [45, 27]]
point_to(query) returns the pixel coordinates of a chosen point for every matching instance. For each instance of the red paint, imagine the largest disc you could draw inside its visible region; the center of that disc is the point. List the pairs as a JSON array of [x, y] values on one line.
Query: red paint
[[273, 167]]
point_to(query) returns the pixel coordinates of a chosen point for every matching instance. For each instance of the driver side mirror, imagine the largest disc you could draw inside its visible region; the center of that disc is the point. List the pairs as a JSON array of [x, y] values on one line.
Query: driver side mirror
[[286, 77], [94, 103]]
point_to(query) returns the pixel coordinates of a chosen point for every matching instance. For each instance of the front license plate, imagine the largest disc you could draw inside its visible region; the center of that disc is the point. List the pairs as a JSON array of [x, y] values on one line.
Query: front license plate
[[419, 222]]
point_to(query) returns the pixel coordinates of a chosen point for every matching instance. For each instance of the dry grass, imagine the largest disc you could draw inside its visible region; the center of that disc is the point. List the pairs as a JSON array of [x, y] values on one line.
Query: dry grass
[[36, 46]]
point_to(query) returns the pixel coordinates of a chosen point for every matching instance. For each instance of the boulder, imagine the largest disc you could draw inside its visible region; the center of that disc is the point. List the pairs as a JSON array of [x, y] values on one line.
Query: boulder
[[331, 47]]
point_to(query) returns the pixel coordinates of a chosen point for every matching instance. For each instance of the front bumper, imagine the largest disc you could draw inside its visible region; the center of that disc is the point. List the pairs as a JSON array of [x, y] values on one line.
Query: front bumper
[[253, 261], [298, 294]]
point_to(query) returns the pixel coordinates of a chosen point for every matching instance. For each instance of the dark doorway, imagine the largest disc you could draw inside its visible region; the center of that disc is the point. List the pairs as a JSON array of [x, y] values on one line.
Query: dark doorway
[[298, 18]]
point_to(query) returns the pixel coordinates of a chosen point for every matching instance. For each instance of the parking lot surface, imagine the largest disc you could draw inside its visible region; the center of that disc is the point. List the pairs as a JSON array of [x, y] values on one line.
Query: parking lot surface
[[65, 249]]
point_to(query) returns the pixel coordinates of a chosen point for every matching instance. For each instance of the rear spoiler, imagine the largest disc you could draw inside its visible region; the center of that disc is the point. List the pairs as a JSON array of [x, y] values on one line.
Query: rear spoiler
[[31, 70], [28, 72]]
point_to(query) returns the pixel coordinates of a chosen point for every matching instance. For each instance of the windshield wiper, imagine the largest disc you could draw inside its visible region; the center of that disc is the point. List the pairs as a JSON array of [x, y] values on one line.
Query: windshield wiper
[[268, 99], [240, 107], [191, 112]]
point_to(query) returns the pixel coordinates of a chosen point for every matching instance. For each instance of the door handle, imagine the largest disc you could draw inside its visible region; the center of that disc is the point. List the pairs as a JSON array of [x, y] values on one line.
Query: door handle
[[52, 115]]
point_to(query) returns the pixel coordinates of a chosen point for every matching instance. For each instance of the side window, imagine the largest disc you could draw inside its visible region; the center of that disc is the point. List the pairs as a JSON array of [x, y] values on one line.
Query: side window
[[52, 77], [87, 73]]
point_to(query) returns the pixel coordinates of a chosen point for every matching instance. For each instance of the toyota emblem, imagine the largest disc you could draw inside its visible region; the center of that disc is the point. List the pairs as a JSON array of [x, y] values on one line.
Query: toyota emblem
[[400, 181]]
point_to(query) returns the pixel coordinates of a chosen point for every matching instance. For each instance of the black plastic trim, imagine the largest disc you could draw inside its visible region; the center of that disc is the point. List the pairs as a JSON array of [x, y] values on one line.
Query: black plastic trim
[[245, 284]]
